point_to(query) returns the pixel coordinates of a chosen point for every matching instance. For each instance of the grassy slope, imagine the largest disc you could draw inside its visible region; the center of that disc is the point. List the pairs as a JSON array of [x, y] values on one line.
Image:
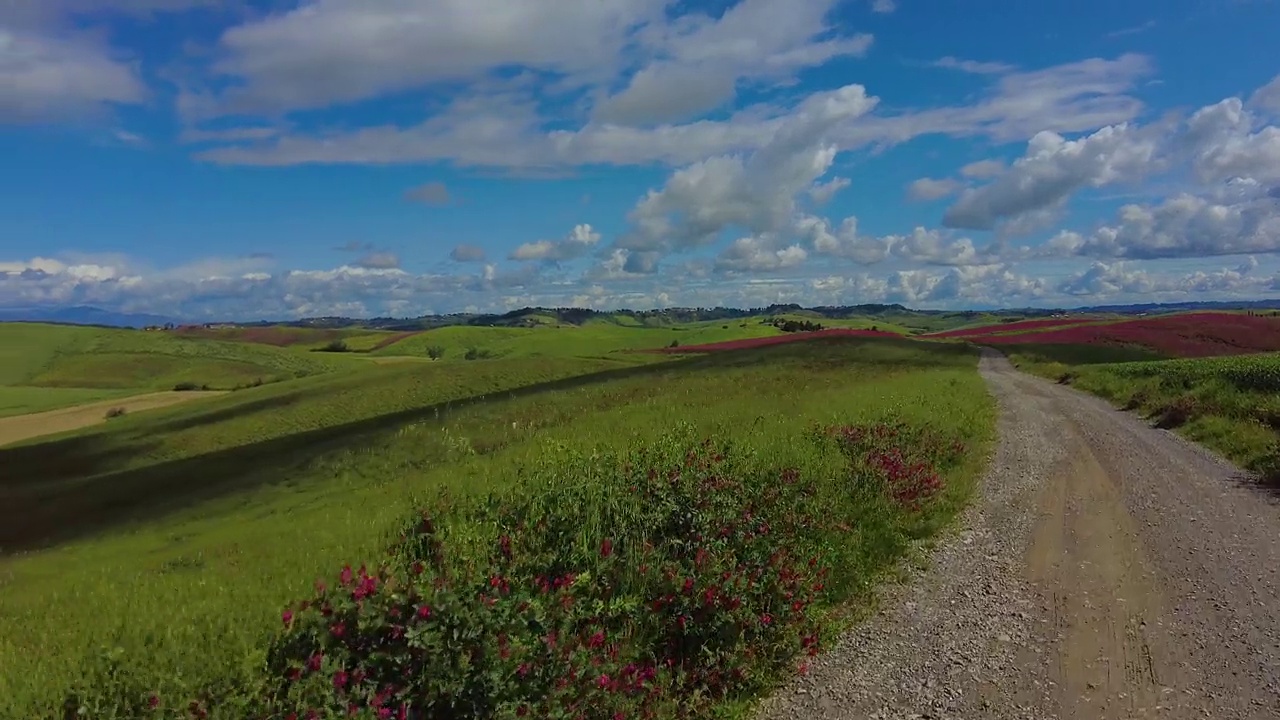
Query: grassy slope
[[21, 400], [1230, 404], [44, 367], [213, 577], [593, 339]]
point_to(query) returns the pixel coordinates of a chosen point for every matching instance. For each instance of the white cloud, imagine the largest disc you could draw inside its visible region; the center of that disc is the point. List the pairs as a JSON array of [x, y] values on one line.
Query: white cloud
[[932, 189], [755, 254], [505, 129], [1223, 144], [1267, 97], [884, 7], [578, 243], [60, 77], [983, 169], [822, 192], [843, 242], [1182, 226], [702, 60], [974, 66], [337, 51], [756, 193], [932, 247], [1052, 169]]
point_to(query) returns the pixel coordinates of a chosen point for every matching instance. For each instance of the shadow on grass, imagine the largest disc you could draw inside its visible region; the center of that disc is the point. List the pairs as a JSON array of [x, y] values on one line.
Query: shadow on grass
[[66, 489]]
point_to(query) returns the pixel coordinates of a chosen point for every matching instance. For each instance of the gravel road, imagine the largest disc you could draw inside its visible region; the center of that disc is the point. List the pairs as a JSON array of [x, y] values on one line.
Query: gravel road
[[1104, 570]]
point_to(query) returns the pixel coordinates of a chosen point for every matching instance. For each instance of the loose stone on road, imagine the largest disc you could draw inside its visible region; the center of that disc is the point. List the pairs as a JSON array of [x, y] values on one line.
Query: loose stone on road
[[1104, 570]]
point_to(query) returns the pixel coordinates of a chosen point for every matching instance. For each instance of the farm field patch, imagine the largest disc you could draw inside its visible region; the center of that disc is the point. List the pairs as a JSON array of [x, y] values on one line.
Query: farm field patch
[[1182, 335], [15, 429]]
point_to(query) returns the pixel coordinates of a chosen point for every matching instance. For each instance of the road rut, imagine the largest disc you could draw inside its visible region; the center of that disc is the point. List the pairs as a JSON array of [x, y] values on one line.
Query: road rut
[[1104, 570]]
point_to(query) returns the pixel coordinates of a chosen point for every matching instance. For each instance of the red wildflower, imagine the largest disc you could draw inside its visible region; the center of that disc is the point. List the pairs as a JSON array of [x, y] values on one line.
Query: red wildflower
[[154, 701], [345, 576], [286, 617], [340, 679], [603, 681], [337, 630], [424, 612], [606, 548], [765, 619], [313, 662], [596, 640]]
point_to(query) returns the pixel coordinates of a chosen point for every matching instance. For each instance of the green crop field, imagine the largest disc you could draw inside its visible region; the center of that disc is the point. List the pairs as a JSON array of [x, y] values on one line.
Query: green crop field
[[159, 549], [1231, 404]]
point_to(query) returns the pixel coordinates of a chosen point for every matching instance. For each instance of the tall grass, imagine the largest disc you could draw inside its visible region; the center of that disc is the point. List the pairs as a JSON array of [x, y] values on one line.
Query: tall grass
[[1231, 404], [190, 600]]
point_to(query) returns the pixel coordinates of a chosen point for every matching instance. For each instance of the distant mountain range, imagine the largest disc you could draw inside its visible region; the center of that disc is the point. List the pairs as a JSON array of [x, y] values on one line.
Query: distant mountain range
[[83, 315], [531, 316]]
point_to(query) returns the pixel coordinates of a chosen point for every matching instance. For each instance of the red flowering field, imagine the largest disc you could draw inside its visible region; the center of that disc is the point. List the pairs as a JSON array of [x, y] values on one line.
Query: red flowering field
[[1184, 335], [777, 340]]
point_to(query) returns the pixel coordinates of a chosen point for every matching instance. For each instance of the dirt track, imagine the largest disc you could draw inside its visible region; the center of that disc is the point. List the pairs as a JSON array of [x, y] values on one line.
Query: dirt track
[[1105, 570], [24, 427]]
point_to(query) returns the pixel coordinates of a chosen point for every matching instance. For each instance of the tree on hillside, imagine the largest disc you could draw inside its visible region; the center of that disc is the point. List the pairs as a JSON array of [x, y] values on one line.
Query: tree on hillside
[[790, 326], [435, 352]]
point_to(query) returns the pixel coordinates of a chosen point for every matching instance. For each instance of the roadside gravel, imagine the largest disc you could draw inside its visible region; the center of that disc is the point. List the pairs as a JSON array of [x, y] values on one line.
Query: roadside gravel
[[1104, 570]]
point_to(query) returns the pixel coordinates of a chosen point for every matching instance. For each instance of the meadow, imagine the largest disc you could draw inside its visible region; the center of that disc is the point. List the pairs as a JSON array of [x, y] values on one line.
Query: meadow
[[155, 553]]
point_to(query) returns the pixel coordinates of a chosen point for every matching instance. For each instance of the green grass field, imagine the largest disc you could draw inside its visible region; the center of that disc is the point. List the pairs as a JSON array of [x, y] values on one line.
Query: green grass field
[[21, 400], [44, 367], [179, 534], [593, 339], [1231, 404]]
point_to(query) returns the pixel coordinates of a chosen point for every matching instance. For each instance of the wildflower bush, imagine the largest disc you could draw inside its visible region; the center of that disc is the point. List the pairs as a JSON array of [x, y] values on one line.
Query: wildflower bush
[[657, 583]]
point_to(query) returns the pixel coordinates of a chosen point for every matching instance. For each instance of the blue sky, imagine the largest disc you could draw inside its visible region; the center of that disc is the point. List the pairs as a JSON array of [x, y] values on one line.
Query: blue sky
[[279, 159]]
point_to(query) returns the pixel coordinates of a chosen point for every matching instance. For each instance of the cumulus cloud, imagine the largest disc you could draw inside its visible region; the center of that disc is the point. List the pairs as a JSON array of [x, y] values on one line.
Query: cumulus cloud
[[844, 241], [822, 192], [932, 189], [579, 242], [883, 7], [432, 193], [1052, 169], [756, 193], [1182, 226], [1267, 98], [467, 253], [755, 254], [1224, 144]]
